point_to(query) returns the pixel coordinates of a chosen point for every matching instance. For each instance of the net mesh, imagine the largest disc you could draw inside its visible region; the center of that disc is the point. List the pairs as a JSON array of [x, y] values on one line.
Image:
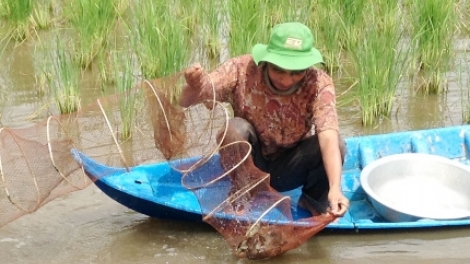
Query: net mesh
[[141, 126]]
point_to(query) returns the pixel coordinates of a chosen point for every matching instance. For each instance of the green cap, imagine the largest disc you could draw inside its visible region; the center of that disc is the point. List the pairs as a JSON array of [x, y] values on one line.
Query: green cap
[[290, 47]]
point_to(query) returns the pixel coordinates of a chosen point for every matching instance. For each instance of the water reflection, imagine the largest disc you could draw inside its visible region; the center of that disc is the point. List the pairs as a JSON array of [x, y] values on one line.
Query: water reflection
[[20, 99]]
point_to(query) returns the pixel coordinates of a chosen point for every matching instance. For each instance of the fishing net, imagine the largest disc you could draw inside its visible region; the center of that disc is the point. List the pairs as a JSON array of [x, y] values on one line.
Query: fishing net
[[139, 127]]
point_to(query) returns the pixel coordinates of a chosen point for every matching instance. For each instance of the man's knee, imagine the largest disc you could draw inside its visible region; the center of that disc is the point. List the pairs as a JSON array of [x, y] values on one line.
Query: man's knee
[[243, 128], [237, 129]]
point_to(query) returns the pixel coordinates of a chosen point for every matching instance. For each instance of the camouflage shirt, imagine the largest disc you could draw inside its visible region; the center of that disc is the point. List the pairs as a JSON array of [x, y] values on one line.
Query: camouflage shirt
[[280, 121]]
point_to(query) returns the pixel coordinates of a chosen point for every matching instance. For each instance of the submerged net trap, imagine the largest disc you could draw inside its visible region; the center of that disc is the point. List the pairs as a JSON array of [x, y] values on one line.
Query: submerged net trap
[[141, 126]]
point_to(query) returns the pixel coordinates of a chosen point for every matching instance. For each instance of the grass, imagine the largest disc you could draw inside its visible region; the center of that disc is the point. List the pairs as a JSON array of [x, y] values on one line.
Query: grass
[[161, 41], [463, 76], [118, 40], [18, 15], [247, 25], [250, 22], [92, 20], [326, 23], [205, 22], [433, 28], [43, 13], [379, 60], [280, 11], [351, 13], [464, 19], [64, 81], [123, 67]]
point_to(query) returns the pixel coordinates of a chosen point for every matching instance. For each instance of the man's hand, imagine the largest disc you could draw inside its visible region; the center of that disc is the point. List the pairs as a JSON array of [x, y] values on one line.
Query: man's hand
[[338, 203], [196, 79], [194, 75]]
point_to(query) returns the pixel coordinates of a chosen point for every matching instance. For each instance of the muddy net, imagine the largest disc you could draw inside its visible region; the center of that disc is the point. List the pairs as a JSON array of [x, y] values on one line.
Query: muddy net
[[140, 127]]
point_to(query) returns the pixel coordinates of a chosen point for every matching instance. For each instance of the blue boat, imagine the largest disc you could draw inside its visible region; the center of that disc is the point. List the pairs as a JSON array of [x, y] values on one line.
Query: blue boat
[[156, 189]]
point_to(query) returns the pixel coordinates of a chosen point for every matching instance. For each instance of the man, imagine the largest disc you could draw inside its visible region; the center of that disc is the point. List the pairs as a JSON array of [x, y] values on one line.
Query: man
[[286, 109]]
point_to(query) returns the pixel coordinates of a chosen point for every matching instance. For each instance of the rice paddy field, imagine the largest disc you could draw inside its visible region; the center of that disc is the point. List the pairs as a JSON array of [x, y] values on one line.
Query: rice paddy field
[[397, 66]]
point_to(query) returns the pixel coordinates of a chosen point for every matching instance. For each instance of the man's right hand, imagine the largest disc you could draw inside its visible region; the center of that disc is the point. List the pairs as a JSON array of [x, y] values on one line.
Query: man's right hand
[[196, 80], [194, 75]]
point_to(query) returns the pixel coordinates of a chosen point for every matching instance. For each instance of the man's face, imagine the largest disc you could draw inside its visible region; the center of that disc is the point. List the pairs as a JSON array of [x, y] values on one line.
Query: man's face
[[284, 79]]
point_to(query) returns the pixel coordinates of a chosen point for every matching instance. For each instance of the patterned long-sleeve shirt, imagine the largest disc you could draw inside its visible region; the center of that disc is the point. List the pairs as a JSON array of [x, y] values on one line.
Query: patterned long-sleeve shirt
[[281, 121]]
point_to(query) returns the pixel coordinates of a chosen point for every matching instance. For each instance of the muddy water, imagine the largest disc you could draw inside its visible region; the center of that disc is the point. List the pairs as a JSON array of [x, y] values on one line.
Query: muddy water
[[88, 227]]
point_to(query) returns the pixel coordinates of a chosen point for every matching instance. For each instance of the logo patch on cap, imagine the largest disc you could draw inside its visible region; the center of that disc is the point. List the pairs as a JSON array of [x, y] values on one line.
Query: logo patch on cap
[[292, 43]]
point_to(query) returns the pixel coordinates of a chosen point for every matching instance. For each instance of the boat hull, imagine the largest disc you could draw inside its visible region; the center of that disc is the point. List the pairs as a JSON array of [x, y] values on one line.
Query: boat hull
[[156, 190]]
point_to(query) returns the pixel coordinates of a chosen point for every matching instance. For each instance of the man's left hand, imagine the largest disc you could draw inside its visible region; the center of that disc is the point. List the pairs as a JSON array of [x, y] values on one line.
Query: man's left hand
[[338, 203]]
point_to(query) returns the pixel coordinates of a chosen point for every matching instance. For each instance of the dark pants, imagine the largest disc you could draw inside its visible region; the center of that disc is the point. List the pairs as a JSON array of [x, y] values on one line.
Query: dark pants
[[301, 165]]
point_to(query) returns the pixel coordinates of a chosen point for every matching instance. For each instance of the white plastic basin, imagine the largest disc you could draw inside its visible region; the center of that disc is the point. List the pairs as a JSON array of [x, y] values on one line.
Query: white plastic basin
[[412, 186]]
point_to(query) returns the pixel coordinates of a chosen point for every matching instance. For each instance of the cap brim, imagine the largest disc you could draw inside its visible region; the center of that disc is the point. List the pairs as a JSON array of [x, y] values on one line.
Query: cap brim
[[260, 53]]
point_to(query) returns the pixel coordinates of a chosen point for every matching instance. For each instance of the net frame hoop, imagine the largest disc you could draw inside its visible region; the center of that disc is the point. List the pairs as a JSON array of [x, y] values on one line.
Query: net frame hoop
[[214, 103], [1, 172], [123, 159], [235, 196], [223, 174], [205, 158], [51, 155], [256, 223], [161, 106], [33, 176], [219, 144]]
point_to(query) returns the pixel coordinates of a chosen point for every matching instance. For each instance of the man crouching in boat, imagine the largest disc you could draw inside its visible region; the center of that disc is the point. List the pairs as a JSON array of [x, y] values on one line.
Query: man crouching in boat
[[286, 109]]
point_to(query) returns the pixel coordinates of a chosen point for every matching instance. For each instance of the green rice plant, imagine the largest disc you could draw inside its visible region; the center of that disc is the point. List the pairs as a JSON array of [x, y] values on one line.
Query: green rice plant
[[463, 82], [213, 32], [433, 28], [303, 11], [64, 77], [92, 20], [250, 22], [193, 13], [353, 20], [18, 16], [3, 10], [248, 25], [105, 73], [205, 22], [161, 40], [464, 18], [122, 6], [339, 25], [118, 39], [123, 67], [43, 13], [280, 11], [379, 60], [327, 25], [118, 42]]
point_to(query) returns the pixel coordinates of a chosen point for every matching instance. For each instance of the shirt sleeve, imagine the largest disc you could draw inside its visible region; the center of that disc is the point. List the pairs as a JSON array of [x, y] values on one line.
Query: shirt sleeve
[[324, 112], [223, 80]]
